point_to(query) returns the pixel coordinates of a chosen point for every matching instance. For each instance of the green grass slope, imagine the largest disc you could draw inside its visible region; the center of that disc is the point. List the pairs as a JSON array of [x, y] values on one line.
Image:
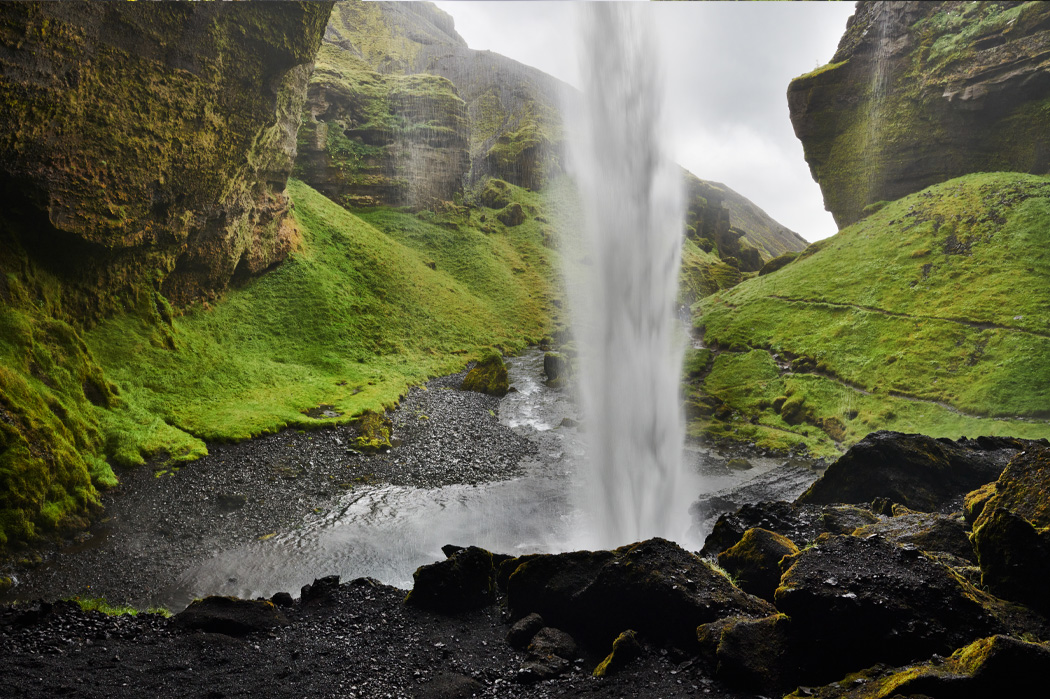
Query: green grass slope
[[368, 306], [929, 315]]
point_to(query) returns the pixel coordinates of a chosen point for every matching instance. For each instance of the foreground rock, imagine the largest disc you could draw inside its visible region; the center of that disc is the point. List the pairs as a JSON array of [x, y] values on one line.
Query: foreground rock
[[1012, 533], [996, 666], [654, 587], [914, 470], [489, 376]]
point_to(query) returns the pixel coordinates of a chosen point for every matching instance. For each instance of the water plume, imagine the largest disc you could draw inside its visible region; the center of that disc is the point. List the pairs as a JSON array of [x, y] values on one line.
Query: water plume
[[634, 484]]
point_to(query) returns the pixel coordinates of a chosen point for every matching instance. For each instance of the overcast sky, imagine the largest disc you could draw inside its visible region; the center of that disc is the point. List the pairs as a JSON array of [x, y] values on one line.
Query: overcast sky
[[727, 64]]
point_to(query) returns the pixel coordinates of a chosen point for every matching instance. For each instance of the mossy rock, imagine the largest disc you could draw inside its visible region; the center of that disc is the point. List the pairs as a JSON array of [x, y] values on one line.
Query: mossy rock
[[1014, 557], [373, 432], [778, 262], [511, 215], [754, 561], [465, 580], [973, 504], [488, 376], [625, 648], [496, 194]]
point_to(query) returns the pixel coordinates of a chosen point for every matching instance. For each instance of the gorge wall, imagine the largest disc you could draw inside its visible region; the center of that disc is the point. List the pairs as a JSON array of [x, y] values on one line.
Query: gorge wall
[[921, 92], [144, 159]]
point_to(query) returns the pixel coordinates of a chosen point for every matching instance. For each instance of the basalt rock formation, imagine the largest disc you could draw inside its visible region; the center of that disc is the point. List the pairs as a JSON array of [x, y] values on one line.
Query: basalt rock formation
[[143, 164], [921, 92]]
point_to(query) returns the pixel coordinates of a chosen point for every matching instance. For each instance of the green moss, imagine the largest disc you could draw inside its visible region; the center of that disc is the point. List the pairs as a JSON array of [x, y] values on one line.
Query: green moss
[[488, 376], [98, 604], [957, 348], [625, 648]]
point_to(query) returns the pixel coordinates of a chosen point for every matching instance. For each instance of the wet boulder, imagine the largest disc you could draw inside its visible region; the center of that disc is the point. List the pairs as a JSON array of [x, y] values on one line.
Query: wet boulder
[[489, 375], [801, 524], [997, 666], [373, 432], [928, 531], [625, 648], [654, 587], [556, 367], [754, 562], [757, 655], [975, 500], [521, 633], [230, 616], [465, 580], [1012, 534], [920, 472], [865, 600]]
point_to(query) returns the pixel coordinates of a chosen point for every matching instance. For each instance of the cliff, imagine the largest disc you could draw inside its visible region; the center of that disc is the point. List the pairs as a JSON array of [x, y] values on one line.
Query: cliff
[[144, 159], [921, 92], [469, 116]]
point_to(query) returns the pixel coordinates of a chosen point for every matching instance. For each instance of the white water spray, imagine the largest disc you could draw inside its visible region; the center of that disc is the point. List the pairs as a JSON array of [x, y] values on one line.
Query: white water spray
[[631, 351]]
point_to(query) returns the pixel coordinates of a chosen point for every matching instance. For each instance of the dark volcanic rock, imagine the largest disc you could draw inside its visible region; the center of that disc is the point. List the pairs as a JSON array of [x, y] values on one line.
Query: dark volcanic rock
[[464, 580], [521, 633], [230, 616], [921, 92], [654, 587], [920, 472], [754, 561], [927, 531], [998, 666], [625, 648]]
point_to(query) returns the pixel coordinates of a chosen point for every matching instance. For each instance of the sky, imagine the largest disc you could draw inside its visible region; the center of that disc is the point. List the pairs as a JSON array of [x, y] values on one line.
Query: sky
[[727, 66]]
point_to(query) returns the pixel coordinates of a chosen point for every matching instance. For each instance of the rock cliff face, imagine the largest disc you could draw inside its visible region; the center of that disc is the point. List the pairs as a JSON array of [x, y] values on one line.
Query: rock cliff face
[[143, 158], [469, 115], [921, 92], [150, 142]]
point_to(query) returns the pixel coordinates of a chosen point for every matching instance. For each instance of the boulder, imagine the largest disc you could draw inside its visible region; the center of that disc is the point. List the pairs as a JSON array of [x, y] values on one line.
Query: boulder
[[465, 580], [758, 655], [511, 215], [496, 194], [975, 500], [521, 633], [799, 523], [1012, 533], [320, 590], [997, 666], [230, 616], [654, 587], [489, 375], [625, 648], [556, 366], [858, 601], [920, 472], [552, 641], [373, 432], [754, 561], [927, 531]]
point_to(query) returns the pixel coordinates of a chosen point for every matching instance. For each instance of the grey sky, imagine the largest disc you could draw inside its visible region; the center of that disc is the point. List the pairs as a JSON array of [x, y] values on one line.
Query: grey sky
[[727, 64]]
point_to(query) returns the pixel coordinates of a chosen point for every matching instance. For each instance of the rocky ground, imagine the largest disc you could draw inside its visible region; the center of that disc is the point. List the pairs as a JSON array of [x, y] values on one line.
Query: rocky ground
[[913, 563]]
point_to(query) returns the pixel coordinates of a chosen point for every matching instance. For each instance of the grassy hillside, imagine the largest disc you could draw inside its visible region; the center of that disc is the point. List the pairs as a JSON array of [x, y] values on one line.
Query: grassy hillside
[[365, 308], [929, 315]]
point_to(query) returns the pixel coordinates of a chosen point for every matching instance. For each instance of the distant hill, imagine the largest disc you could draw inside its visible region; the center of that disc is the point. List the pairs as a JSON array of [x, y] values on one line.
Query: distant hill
[[927, 316]]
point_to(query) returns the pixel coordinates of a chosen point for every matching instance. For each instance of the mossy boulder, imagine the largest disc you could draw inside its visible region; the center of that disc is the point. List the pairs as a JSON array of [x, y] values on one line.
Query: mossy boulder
[[1012, 533], [465, 580], [927, 531], [511, 215], [556, 367], [495, 194], [654, 587], [757, 655], [754, 561], [230, 616], [975, 500], [373, 432], [920, 472], [989, 667], [625, 648], [489, 376], [778, 262]]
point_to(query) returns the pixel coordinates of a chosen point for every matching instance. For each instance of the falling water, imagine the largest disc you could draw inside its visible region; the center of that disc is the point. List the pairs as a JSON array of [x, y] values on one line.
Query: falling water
[[877, 100], [631, 350]]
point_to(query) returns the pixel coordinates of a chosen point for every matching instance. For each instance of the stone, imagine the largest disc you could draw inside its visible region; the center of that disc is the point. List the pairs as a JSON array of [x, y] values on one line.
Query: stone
[[975, 500], [996, 666], [450, 685], [799, 523], [556, 366], [511, 215], [489, 375], [754, 561], [654, 587], [920, 472], [230, 616], [551, 641], [927, 531], [463, 581], [320, 590], [373, 432], [625, 648], [521, 633]]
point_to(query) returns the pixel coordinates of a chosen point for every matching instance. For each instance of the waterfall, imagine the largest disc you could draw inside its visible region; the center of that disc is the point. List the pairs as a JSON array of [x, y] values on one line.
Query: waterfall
[[877, 100], [634, 485]]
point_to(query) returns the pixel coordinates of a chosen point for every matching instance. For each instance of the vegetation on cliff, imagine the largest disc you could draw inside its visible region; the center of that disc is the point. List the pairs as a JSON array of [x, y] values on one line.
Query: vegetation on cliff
[[927, 316]]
